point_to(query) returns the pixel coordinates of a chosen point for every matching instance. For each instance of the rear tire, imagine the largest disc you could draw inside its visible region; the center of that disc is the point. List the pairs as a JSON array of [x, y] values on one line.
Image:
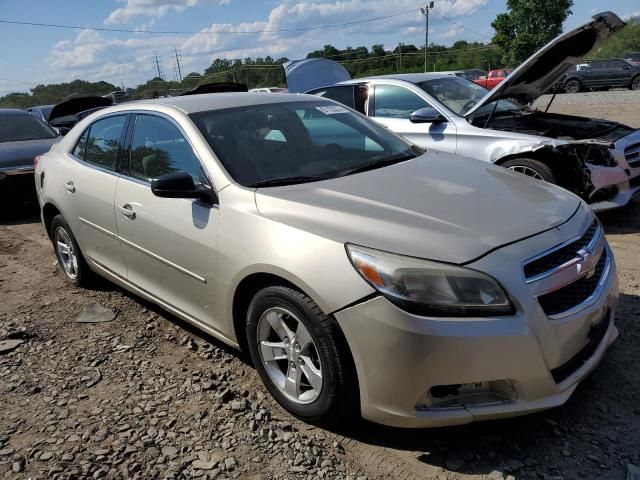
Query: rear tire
[[635, 83], [68, 253], [531, 168], [572, 86], [304, 361]]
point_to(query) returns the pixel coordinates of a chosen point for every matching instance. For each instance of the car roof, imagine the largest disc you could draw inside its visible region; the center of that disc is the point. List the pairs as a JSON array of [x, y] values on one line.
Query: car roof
[[407, 77], [216, 101], [6, 112]]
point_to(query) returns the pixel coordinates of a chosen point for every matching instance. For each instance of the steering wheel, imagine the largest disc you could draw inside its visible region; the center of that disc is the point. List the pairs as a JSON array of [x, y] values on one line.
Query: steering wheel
[[468, 106]]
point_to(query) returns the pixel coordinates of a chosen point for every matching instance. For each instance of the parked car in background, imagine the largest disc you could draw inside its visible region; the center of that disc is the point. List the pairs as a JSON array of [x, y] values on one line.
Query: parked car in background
[[632, 57], [602, 75], [269, 90], [470, 74], [493, 78], [64, 115], [23, 137], [41, 111], [596, 159], [363, 275]]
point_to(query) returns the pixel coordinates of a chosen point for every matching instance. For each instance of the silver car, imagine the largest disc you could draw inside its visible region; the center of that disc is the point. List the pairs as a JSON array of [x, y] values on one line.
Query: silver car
[[598, 160], [362, 274]]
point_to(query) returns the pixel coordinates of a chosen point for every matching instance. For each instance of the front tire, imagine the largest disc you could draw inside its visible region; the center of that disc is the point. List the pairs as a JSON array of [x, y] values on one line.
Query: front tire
[[531, 168], [301, 355], [635, 83], [572, 86], [69, 256]]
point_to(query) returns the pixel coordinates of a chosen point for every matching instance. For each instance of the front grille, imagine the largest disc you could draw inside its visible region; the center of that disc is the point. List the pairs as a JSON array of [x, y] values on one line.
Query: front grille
[[560, 256], [575, 293], [596, 335], [632, 154]]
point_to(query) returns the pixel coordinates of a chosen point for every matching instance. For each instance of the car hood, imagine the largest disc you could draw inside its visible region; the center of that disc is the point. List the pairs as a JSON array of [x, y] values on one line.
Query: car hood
[[543, 69], [78, 104], [305, 75], [437, 206], [21, 154]]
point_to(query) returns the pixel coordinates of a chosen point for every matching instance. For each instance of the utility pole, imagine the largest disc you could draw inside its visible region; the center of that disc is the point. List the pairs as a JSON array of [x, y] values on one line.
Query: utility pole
[[178, 57], [425, 11], [157, 62], [399, 57]]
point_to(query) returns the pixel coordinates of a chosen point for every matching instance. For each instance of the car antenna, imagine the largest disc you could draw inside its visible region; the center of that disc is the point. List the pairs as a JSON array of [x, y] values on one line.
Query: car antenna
[[550, 101]]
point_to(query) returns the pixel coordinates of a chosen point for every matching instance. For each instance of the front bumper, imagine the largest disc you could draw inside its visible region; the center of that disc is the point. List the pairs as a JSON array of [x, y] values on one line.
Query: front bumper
[[399, 356]]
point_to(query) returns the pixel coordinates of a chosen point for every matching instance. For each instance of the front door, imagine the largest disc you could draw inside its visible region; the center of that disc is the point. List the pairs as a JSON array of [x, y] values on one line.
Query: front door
[[90, 182], [393, 105], [168, 243]]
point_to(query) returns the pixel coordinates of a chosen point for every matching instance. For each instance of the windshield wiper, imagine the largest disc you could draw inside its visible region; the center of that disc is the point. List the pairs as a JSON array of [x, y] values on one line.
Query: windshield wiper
[[276, 182], [373, 165]]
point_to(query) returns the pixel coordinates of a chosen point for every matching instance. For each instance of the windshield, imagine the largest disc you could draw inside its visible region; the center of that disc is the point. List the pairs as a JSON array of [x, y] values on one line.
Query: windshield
[[296, 142], [17, 128], [460, 95]]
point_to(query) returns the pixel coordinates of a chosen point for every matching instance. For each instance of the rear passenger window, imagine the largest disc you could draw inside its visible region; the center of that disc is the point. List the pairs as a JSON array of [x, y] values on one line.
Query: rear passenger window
[[393, 101], [104, 141], [158, 148], [81, 146]]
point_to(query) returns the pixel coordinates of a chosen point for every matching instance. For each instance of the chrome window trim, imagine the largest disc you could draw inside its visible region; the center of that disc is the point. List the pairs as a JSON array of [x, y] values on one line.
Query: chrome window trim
[[589, 248], [10, 171]]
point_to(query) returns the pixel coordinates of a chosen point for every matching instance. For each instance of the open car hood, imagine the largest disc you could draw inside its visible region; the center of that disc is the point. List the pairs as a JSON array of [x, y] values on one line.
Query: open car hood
[[543, 69], [76, 105], [305, 75]]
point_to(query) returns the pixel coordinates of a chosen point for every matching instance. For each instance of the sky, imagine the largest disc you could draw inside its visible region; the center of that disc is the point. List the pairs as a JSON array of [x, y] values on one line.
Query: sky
[[223, 28]]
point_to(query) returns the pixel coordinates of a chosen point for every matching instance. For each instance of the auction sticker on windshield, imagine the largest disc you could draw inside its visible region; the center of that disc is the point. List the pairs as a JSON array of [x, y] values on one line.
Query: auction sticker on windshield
[[332, 109]]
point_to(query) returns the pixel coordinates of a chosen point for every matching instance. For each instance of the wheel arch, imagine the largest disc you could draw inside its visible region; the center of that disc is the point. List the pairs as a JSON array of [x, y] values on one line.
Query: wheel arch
[[49, 211], [245, 291]]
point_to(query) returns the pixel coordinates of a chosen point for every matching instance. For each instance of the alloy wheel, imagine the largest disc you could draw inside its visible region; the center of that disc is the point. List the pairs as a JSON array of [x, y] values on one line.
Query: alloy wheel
[[636, 83], [66, 253], [528, 171], [573, 87], [289, 355]]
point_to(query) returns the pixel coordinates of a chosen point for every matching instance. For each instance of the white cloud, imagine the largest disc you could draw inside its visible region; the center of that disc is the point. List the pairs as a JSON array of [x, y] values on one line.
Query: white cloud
[[153, 8], [94, 55]]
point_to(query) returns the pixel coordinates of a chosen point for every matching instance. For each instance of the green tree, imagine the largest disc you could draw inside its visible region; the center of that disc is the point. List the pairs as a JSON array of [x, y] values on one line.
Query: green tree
[[528, 25]]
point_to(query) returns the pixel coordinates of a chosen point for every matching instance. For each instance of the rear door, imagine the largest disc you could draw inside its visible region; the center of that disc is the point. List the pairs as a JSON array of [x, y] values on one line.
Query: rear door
[[392, 107], [90, 182], [168, 243]]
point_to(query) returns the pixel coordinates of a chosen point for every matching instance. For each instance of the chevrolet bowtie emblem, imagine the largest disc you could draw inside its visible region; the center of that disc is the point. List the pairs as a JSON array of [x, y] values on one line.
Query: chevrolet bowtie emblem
[[587, 266]]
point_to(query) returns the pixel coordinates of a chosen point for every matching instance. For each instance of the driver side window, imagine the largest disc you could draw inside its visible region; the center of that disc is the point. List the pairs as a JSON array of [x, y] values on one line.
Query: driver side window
[[158, 148], [394, 101]]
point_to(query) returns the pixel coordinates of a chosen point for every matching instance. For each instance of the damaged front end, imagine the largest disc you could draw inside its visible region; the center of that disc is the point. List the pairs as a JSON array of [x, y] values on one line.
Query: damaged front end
[[581, 152]]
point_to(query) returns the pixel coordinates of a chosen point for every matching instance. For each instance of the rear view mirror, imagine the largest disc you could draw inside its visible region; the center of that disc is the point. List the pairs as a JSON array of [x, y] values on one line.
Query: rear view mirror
[[181, 185], [427, 115]]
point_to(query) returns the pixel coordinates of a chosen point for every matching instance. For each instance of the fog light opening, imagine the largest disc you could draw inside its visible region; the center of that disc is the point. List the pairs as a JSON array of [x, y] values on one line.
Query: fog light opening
[[477, 394]]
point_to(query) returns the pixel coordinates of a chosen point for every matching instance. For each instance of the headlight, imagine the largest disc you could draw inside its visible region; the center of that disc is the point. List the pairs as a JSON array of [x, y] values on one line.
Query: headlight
[[430, 288]]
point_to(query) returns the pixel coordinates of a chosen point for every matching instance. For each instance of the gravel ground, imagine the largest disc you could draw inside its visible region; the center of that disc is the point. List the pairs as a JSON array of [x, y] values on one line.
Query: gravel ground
[[146, 396], [618, 105]]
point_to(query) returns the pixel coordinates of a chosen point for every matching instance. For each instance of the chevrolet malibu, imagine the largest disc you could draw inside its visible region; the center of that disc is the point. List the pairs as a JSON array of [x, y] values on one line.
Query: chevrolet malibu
[[363, 274]]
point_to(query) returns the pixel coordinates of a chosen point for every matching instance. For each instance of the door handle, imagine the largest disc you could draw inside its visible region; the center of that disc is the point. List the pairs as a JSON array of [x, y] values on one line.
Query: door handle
[[127, 210], [70, 187]]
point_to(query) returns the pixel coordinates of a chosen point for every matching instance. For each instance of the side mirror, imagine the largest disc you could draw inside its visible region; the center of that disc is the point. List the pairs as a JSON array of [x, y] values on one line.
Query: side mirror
[[181, 185], [427, 115]]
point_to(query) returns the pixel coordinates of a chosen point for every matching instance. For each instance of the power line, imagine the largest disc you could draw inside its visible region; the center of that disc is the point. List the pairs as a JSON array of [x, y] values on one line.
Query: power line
[[176, 32], [484, 37]]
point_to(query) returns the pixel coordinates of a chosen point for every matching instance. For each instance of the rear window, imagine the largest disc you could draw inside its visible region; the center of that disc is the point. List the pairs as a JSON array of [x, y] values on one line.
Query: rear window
[[18, 128]]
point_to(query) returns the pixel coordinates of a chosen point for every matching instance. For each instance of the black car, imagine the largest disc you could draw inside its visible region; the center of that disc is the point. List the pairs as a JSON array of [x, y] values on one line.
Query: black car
[[23, 137], [602, 75]]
